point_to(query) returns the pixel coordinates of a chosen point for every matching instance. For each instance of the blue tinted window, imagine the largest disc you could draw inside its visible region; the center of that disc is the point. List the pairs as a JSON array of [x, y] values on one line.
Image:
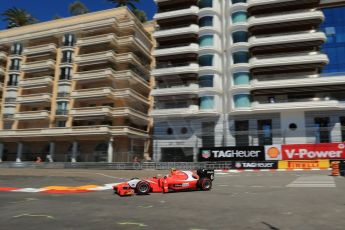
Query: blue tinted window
[[240, 36], [205, 3], [242, 100], [206, 102], [206, 40], [206, 81], [206, 21], [241, 57], [334, 28], [239, 17], [206, 60]]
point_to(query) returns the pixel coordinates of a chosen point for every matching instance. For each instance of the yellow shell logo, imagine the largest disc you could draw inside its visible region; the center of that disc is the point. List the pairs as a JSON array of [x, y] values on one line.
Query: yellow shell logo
[[273, 152]]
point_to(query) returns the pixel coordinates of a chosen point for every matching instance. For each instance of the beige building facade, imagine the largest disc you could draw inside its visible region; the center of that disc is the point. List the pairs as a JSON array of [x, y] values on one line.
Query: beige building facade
[[76, 89]]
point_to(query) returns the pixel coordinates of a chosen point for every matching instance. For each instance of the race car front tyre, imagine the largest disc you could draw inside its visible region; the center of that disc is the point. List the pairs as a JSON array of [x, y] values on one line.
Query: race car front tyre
[[142, 188], [205, 184]]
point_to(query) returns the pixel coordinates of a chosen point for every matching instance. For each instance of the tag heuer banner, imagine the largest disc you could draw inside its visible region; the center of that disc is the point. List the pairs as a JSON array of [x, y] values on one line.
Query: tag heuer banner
[[239, 153]]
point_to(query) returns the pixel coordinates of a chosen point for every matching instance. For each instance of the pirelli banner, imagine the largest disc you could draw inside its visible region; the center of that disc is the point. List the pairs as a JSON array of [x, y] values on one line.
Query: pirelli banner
[[305, 151], [240, 153]]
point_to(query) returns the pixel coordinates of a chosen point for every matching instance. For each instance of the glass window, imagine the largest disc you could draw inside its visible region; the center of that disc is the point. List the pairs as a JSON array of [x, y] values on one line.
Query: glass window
[[206, 40], [65, 73], [322, 130], [242, 133], [240, 57], [206, 60], [242, 100], [15, 64], [238, 1], [206, 81], [206, 21], [334, 28], [17, 48], [67, 56], [13, 80], [240, 36], [206, 102], [342, 123], [68, 40], [62, 108], [265, 132], [239, 17], [205, 3], [61, 123], [241, 78]]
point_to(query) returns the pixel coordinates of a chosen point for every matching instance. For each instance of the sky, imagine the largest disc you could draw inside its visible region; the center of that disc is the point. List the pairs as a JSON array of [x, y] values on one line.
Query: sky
[[45, 10]]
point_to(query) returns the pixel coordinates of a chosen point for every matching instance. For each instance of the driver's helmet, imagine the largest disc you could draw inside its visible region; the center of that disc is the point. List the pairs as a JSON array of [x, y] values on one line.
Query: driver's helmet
[[172, 170]]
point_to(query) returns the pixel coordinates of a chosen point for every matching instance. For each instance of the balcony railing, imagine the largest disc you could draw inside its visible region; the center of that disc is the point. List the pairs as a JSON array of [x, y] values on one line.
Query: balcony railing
[[32, 115]]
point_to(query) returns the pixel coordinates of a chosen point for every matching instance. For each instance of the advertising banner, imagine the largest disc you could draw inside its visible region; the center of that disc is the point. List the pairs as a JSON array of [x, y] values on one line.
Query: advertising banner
[[308, 164], [313, 151], [240, 153], [256, 165]]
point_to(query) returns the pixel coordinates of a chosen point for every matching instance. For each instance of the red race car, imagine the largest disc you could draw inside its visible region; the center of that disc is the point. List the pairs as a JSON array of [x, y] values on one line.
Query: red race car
[[176, 181]]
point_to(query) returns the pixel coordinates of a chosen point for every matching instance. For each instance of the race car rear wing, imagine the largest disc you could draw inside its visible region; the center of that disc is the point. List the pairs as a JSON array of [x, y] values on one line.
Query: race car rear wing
[[206, 173]]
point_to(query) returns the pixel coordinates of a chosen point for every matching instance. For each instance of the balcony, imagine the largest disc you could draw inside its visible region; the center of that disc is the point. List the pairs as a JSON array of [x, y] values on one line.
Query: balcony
[[177, 31], [287, 39], [304, 81], [176, 90], [32, 115], [280, 20], [3, 55], [176, 69], [108, 111], [173, 50], [108, 56], [193, 10], [46, 48], [75, 131], [38, 66], [263, 6], [285, 61], [191, 110], [109, 92], [36, 82], [2, 71], [34, 98], [96, 75], [312, 104]]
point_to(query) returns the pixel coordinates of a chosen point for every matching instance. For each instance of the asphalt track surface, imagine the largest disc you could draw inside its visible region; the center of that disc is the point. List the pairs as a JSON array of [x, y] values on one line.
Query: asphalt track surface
[[249, 200]]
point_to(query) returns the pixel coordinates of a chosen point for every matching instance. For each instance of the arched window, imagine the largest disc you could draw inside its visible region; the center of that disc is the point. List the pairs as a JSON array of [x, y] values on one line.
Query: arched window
[[206, 40]]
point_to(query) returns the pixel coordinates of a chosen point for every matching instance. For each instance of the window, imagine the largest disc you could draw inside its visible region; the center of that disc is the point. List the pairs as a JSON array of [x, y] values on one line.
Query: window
[[15, 64], [292, 126], [240, 57], [206, 21], [17, 49], [206, 81], [240, 36], [65, 73], [322, 129], [205, 3], [239, 17], [265, 132], [62, 107], [242, 133], [184, 130], [7, 125], [61, 124], [68, 40], [206, 102], [342, 123], [208, 134], [13, 80], [170, 131], [242, 100], [241, 78], [206, 40], [206, 60], [238, 1], [66, 56]]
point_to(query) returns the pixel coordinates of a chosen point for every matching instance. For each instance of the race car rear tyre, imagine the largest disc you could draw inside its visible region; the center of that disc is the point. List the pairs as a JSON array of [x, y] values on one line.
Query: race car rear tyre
[[142, 188], [205, 184]]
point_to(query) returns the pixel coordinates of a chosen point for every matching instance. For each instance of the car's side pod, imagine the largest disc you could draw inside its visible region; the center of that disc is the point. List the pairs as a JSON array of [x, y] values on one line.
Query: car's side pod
[[209, 173]]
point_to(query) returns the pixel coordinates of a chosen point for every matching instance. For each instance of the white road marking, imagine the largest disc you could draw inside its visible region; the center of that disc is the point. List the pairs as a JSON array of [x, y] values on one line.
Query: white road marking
[[313, 182]]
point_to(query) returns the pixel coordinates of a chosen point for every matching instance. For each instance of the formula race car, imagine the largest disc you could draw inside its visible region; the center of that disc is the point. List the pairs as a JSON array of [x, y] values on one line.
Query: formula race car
[[176, 181]]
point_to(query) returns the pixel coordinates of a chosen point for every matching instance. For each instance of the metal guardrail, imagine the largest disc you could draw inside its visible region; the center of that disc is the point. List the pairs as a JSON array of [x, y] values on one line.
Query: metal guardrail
[[120, 165]]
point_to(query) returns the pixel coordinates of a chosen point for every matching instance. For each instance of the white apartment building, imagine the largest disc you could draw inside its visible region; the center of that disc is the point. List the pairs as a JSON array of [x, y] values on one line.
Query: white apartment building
[[242, 72]]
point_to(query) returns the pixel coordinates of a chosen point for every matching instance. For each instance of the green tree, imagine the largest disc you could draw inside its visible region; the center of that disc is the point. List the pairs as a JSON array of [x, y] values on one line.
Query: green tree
[[16, 17], [141, 15], [129, 3], [77, 8]]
